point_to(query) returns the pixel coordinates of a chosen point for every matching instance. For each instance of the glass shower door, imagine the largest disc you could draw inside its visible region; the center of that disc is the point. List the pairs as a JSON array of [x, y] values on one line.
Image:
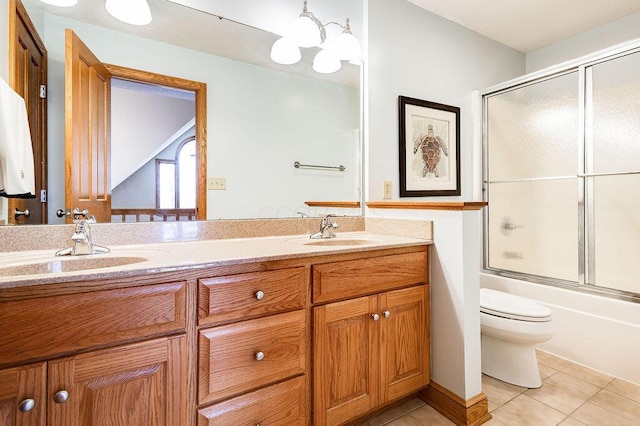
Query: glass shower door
[[613, 173], [531, 135]]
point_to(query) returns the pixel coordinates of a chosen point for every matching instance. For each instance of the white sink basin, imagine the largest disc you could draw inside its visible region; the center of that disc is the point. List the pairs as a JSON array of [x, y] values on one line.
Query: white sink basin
[[68, 264]]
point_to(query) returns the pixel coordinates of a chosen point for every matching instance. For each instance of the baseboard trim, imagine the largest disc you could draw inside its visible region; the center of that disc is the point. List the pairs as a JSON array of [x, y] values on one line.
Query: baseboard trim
[[472, 412]]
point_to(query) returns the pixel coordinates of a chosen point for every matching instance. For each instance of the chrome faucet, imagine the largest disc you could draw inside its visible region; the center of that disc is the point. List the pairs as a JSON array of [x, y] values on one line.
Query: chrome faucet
[[326, 228], [81, 238]]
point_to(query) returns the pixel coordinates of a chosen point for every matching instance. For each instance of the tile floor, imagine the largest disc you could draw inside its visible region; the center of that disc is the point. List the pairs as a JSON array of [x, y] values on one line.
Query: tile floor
[[571, 395]]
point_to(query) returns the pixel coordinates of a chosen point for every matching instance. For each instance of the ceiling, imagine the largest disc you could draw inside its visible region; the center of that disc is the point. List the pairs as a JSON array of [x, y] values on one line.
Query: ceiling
[[528, 25], [525, 25]]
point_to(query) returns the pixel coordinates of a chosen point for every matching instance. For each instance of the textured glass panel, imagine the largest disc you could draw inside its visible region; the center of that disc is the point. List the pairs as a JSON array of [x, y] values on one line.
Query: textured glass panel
[[533, 227], [616, 115], [617, 232], [533, 130]]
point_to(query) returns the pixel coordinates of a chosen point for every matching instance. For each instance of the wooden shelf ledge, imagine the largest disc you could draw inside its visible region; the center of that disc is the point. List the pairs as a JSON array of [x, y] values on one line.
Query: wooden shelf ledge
[[344, 204], [427, 205]]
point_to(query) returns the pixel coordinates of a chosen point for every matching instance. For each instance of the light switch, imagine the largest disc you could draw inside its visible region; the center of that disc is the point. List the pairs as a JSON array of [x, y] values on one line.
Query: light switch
[[217, 183]]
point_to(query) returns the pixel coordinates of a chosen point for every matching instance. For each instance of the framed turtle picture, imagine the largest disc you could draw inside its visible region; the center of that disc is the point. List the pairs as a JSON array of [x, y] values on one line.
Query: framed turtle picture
[[429, 148]]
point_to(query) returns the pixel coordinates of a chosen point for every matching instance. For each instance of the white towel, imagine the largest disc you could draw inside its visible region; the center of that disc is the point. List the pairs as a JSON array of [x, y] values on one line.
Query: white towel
[[17, 178]]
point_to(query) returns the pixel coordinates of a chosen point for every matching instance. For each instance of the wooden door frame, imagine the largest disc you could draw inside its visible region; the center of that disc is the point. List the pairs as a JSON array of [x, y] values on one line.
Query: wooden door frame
[[17, 11], [200, 91]]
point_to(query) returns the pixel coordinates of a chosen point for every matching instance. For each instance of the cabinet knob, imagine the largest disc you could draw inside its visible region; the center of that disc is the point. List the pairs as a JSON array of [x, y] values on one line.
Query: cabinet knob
[[375, 317], [386, 314], [259, 294], [259, 356], [61, 396], [27, 405]]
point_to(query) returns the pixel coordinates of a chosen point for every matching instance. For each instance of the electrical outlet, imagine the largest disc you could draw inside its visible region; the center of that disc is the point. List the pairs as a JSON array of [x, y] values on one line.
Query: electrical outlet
[[217, 183], [387, 189]]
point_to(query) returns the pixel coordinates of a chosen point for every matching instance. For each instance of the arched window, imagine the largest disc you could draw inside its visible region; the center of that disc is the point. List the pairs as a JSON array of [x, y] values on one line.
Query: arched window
[[176, 179]]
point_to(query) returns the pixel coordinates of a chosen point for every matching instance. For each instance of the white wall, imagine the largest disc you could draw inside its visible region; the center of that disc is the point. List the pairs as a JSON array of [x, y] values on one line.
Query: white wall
[[259, 121], [415, 53], [141, 122], [619, 31]]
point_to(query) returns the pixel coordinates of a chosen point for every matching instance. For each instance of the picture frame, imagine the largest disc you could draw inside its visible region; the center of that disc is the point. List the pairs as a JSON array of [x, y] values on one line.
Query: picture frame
[[429, 137]]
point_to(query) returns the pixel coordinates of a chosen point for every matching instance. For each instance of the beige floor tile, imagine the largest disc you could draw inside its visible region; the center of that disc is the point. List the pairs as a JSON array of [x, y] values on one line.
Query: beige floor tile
[[588, 375], [427, 415], [624, 388], [551, 360], [570, 421], [499, 392], [502, 417], [593, 415], [563, 392], [492, 406], [387, 416], [405, 420], [412, 404], [546, 371], [617, 404], [533, 412]]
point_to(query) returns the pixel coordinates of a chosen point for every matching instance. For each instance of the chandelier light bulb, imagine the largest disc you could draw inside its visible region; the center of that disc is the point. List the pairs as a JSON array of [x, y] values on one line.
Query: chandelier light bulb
[[309, 31], [134, 12], [284, 51], [326, 62], [305, 32], [61, 3], [347, 47]]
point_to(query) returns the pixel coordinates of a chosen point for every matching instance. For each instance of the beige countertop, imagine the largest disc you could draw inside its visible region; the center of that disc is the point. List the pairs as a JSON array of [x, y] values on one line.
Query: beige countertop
[[175, 256]]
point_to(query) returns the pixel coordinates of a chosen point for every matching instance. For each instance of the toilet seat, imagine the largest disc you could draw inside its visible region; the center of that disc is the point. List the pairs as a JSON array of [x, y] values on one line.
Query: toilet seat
[[513, 307]]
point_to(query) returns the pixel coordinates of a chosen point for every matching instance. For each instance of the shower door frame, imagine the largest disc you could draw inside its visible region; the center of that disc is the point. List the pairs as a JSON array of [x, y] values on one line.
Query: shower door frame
[[585, 174]]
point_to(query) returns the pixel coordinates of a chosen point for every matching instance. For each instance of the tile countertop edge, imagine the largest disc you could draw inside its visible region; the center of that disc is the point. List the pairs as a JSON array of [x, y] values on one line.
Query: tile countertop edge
[[190, 255]]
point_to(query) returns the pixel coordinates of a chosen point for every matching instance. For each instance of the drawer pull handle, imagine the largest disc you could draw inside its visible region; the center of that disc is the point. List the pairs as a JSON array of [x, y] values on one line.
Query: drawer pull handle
[[27, 405], [375, 317], [386, 314], [61, 396], [259, 294], [259, 356]]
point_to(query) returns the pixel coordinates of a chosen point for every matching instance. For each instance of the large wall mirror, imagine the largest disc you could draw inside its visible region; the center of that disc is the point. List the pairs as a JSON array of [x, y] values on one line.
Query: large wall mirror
[[261, 117]]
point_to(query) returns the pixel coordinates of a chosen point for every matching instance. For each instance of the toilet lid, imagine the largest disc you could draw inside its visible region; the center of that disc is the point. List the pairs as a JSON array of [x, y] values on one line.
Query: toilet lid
[[510, 306]]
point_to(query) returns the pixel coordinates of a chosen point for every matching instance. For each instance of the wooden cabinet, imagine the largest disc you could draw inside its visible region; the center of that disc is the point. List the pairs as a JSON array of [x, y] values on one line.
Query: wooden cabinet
[[102, 360], [23, 395], [226, 345], [252, 348], [369, 350], [239, 357], [277, 405], [135, 385]]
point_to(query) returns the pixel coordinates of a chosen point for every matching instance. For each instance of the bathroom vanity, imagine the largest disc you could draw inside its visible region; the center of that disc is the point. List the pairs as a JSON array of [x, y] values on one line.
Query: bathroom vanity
[[275, 330]]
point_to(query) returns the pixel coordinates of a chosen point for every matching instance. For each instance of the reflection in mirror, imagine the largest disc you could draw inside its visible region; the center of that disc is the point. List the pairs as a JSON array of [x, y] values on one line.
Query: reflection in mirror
[[260, 118]]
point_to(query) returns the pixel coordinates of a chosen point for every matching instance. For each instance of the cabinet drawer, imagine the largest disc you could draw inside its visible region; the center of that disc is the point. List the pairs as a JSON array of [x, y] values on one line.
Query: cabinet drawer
[[234, 297], [276, 405], [228, 355], [353, 278], [43, 327]]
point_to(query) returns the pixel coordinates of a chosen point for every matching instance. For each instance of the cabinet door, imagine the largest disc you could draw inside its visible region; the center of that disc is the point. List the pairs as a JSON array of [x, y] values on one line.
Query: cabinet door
[[141, 384], [345, 360], [23, 395], [404, 342]]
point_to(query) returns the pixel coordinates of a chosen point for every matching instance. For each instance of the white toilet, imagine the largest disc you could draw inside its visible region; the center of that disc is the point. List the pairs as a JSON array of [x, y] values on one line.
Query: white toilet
[[511, 328]]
